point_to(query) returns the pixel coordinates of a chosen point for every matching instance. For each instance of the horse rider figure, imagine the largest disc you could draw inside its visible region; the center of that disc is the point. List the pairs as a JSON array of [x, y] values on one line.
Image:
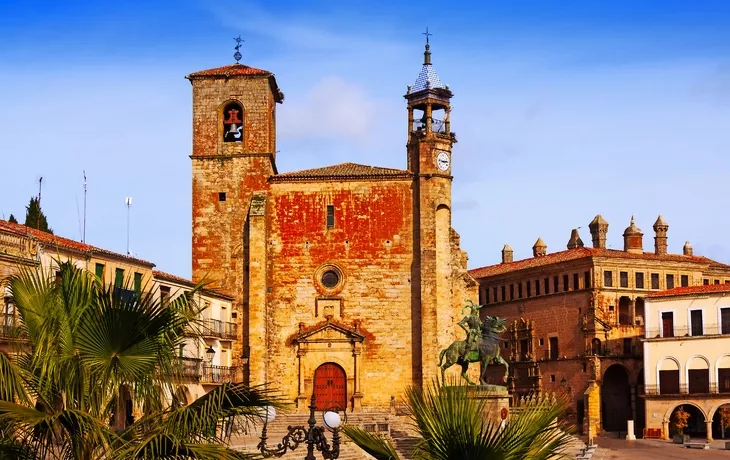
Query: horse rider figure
[[472, 326]]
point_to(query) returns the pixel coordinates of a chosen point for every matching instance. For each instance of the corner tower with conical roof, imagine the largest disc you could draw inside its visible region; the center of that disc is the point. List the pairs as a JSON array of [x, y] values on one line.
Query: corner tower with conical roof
[[430, 142]]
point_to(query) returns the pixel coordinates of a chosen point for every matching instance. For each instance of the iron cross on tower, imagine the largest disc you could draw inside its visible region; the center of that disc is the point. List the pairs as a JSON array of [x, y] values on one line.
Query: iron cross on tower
[[426, 34], [237, 56]]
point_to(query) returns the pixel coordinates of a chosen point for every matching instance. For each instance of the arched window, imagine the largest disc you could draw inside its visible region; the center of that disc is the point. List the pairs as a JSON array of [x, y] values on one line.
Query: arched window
[[596, 346], [233, 122]]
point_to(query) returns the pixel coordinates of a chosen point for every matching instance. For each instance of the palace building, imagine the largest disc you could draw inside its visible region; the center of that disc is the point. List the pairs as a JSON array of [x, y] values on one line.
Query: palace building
[[577, 318], [347, 280]]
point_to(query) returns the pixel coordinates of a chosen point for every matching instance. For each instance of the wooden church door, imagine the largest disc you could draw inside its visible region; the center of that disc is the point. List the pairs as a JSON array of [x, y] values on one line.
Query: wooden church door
[[330, 387]]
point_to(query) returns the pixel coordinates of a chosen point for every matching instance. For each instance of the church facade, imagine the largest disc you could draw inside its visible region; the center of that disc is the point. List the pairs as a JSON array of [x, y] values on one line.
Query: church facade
[[348, 279]]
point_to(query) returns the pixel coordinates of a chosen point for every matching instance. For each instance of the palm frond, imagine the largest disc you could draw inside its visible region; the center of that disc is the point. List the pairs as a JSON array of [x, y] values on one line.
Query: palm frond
[[377, 446]]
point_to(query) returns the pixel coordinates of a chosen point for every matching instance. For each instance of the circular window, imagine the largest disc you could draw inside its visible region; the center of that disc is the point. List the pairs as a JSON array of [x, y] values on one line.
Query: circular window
[[330, 278]]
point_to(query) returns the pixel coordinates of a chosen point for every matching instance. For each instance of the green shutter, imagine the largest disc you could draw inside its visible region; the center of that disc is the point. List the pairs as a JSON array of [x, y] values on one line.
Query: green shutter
[[100, 271], [137, 283], [119, 277]]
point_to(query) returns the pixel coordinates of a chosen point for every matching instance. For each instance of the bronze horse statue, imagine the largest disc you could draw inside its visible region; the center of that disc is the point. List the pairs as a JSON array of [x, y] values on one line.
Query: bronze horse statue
[[485, 352]]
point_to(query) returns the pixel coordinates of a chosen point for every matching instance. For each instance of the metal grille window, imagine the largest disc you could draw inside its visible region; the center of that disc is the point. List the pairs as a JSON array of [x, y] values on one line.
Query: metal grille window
[[608, 278], [623, 279], [639, 281], [330, 216]]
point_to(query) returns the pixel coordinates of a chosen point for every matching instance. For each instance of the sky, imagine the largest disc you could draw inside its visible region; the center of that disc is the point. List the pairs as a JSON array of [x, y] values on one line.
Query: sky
[[562, 110]]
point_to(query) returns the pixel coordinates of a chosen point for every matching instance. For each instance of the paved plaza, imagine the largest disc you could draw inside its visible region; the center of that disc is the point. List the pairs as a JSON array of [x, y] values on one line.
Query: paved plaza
[[649, 449]]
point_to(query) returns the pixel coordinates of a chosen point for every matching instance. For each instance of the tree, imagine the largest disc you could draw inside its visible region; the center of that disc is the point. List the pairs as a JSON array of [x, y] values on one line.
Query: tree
[[34, 217], [681, 418], [724, 418], [12, 219], [451, 425], [88, 345]]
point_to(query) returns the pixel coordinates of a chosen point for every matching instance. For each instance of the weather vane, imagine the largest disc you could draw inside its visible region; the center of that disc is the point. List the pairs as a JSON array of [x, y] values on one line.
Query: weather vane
[[426, 34], [237, 56]]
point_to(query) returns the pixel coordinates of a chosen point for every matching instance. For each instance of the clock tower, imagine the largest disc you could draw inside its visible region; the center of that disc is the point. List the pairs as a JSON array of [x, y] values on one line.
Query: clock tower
[[430, 142]]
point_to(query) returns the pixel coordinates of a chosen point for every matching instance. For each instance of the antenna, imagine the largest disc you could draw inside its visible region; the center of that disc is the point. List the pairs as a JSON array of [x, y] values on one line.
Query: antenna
[[128, 201], [83, 238], [40, 187]]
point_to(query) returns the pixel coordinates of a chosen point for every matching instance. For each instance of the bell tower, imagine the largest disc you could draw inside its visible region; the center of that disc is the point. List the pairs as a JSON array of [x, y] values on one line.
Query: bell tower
[[429, 147]]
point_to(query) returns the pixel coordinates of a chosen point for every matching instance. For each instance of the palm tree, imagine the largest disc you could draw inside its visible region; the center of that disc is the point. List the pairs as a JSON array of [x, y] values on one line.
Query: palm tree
[[451, 426], [88, 346]]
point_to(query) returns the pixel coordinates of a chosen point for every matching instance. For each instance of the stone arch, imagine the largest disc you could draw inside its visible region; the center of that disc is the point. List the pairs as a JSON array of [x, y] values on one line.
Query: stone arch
[[668, 364], [595, 346], [717, 405], [639, 310], [623, 365], [670, 411], [697, 423], [330, 386], [616, 395], [722, 373], [718, 430], [231, 125]]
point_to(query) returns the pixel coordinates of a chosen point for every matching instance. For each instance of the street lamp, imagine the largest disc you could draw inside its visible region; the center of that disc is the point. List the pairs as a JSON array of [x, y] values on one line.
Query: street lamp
[[314, 436], [209, 353]]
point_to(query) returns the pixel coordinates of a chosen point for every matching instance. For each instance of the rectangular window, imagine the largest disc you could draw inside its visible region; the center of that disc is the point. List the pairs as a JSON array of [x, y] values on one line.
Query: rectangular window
[[565, 282], [494, 294], [554, 352], [556, 286], [511, 292], [669, 382], [723, 380], [639, 281], [519, 290], [655, 280], [667, 324], [119, 277], [537, 287], [137, 283], [705, 282], [221, 196], [576, 280], [164, 294], [547, 285], [528, 285], [623, 279], [670, 281], [524, 349], [504, 295], [699, 381], [482, 300], [695, 317], [608, 278], [717, 281], [725, 320], [330, 216], [100, 272], [587, 280], [684, 280], [486, 295]]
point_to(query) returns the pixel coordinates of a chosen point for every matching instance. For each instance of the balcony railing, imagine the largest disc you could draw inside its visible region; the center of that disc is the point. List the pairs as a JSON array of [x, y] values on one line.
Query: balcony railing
[[220, 329], [684, 389], [437, 126], [707, 329], [189, 368], [10, 328], [220, 374]]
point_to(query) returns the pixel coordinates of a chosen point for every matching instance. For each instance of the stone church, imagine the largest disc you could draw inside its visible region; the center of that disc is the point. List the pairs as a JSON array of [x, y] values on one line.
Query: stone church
[[348, 279]]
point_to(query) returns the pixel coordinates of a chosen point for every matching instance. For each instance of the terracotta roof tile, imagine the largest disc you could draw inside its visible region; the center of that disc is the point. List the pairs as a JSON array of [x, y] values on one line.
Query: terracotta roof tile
[[343, 171], [692, 290], [231, 70], [159, 275], [579, 253], [49, 239]]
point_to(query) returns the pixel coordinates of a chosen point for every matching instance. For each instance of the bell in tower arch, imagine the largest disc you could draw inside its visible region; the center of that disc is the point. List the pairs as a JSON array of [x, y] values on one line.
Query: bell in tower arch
[[232, 123]]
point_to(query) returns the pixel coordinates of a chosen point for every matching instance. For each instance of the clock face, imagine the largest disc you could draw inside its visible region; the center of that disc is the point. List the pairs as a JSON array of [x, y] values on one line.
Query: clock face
[[443, 161]]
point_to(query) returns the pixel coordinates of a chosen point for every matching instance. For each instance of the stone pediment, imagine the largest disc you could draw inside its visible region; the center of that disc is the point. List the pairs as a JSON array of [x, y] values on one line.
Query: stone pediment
[[327, 332]]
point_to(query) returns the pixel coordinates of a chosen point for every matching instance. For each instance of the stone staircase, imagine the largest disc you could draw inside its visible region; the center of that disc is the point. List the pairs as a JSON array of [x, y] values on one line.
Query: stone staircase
[[398, 428]]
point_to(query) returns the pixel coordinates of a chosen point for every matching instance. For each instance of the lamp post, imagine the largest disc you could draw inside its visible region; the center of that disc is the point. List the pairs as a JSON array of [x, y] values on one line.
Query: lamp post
[[313, 437]]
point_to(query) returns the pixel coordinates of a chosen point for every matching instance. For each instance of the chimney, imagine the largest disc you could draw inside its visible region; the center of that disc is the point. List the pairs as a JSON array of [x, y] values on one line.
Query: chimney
[[633, 238], [539, 249], [575, 241], [687, 249], [507, 254], [660, 239], [599, 229]]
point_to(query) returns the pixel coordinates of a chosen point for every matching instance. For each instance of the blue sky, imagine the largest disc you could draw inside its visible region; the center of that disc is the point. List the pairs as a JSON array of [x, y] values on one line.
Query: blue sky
[[562, 109]]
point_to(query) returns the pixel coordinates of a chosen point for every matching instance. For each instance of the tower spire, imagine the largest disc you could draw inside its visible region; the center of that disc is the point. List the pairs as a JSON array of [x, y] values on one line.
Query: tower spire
[[237, 55], [427, 52]]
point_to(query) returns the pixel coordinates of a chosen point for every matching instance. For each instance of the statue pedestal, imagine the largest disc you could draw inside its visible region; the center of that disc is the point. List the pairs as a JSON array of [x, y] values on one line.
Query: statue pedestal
[[496, 401]]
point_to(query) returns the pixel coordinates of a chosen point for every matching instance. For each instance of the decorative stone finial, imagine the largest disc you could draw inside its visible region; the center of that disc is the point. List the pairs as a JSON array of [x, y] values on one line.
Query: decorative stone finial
[[661, 227], [599, 230], [687, 249], [575, 241], [633, 238], [507, 254], [539, 249]]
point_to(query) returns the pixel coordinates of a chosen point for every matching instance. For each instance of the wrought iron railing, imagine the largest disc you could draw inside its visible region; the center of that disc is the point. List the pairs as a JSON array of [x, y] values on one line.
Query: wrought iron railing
[[189, 368], [220, 374], [10, 327], [220, 329], [707, 329], [437, 126], [683, 389]]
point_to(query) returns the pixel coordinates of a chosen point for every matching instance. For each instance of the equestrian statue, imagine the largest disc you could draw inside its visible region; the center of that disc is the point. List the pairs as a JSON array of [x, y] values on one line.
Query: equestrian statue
[[481, 345]]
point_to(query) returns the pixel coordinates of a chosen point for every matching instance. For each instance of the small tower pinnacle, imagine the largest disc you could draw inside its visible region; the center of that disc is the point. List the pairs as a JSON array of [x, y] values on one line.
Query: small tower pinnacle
[[427, 52]]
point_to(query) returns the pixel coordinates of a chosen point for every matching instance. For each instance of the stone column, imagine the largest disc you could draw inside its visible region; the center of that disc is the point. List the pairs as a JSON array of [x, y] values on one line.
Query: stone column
[[356, 394], [708, 423], [428, 113], [301, 397], [630, 431], [665, 429]]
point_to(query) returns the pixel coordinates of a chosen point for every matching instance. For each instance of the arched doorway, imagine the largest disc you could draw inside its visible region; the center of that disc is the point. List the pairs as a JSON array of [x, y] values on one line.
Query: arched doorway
[[721, 422], [330, 387], [615, 399], [696, 426]]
